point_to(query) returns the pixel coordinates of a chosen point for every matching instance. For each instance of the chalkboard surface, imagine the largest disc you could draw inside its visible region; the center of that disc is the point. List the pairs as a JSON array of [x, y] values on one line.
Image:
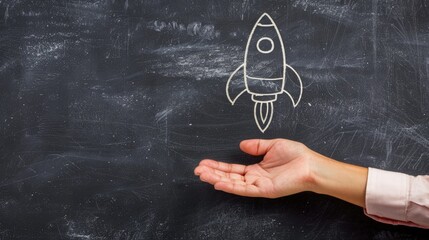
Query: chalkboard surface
[[107, 106]]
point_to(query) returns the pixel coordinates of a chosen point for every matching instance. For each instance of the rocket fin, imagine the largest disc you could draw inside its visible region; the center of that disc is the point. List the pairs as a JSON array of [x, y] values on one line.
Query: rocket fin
[[235, 86], [295, 101]]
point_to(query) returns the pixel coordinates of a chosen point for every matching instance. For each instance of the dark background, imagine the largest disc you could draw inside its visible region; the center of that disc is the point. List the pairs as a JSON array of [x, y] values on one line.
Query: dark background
[[107, 106]]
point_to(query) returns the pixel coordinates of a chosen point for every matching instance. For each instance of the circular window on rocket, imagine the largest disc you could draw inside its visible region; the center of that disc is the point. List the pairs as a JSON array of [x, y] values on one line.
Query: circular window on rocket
[[265, 45]]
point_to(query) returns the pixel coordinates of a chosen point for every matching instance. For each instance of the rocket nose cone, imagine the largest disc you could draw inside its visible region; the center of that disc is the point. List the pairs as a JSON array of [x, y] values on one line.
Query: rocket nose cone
[[265, 20]]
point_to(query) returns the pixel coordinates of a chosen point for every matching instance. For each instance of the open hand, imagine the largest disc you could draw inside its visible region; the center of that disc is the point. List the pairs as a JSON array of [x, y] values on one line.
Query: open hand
[[284, 170]]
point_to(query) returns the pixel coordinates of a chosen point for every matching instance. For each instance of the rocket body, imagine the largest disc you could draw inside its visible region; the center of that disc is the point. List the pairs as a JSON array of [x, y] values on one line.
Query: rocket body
[[264, 67]]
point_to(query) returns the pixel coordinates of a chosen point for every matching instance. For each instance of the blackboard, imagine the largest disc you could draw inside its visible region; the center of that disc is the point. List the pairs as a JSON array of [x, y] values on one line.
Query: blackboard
[[107, 106]]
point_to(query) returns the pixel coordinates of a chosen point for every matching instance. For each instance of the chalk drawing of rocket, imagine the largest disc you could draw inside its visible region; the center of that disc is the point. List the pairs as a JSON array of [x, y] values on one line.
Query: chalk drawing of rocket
[[263, 72]]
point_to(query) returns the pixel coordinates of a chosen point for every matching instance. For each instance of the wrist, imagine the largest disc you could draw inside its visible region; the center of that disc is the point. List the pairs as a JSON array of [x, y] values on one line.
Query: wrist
[[317, 172], [337, 179]]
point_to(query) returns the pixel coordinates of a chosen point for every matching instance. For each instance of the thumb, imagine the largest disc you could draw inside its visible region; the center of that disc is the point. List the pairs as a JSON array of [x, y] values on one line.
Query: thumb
[[256, 147]]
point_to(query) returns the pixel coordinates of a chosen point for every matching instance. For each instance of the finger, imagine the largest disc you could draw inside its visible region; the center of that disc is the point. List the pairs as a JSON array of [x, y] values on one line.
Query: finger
[[257, 147], [245, 190], [226, 167], [232, 176], [213, 178], [201, 169]]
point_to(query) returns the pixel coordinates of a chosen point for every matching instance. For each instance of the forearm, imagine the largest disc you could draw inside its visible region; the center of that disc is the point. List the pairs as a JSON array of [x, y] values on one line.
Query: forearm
[[337, 179]]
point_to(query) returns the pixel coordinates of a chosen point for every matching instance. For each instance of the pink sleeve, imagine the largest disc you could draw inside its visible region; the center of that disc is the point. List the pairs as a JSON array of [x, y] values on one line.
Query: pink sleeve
[[397, 198]]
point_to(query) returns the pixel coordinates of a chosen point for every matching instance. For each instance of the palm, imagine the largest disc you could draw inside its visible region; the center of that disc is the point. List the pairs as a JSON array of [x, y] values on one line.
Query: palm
[[280, 173]]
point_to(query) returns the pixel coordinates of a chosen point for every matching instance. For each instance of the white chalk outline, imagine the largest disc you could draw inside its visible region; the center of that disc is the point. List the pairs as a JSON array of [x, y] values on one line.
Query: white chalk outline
[[301, 87], [232, 101], [265, 51], [270, 108], [264, 119]]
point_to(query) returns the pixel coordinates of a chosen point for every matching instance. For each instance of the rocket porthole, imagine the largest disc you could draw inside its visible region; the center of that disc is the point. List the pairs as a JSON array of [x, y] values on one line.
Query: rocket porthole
[[266, 43]]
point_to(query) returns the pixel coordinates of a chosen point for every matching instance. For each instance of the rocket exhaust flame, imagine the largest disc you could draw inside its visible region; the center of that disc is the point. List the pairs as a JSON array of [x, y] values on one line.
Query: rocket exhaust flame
[[263, 72], [265, 115]]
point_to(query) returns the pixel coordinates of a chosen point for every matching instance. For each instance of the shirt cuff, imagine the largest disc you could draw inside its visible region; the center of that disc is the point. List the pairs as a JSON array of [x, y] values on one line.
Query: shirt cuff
[[387, 195]]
